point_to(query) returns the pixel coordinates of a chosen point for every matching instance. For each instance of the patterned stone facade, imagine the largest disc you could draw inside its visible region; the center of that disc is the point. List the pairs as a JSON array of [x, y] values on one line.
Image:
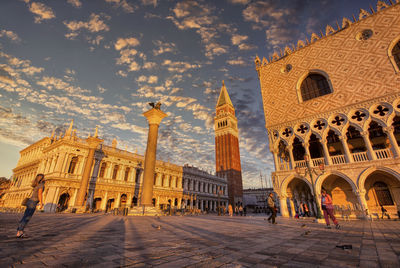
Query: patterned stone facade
[[227, 155], [351, 134]]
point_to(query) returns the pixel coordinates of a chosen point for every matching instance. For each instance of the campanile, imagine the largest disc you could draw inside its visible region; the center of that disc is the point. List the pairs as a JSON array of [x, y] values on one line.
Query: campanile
[[227, 153]]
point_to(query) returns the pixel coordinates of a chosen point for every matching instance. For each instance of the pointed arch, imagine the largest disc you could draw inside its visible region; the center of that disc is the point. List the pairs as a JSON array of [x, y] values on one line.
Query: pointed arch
[[288, 179], [320, 180], [364, 175], [317, 90], [394, 53]]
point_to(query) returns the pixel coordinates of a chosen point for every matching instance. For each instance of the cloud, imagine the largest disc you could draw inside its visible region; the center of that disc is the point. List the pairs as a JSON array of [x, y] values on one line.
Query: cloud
[[128, 8], [179, 66], [75, 3], [149, 65], [163, 47], [149, 2], [126, 42], [239, 61], [241, 2], [5, 77], [238, 39], [10, 34], [95, 24], [152, 79], [41, 11]]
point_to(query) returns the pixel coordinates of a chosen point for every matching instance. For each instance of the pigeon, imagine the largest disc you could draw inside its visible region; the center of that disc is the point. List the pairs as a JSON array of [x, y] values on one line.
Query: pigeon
[[303, 225]]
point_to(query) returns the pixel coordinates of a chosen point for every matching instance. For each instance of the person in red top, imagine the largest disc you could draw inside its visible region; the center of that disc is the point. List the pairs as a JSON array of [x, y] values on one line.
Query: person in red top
[[327, 208]]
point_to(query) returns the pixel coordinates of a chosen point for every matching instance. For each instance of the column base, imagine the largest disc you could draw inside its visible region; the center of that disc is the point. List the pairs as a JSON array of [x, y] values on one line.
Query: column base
[[144, 211]]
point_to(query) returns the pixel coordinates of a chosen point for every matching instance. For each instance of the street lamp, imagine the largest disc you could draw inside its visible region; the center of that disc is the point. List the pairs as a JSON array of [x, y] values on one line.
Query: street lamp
[[309, 170]]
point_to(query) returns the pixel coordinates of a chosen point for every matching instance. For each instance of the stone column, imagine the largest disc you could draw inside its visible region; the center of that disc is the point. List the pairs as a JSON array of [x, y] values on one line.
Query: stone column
[[347, 153], [363, 202], [283, 206], [292, 209], [370, 150], [60, 162], [292, 163], [328, 159], [104, 202], [395, 148], [93, 142], [154, 117], [98, 156], [275, 154]]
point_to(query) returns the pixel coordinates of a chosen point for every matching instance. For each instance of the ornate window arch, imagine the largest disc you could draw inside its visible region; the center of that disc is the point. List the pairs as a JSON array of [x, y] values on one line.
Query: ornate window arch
[[313, 84], [394, 53], [115, 172], [383, 194], [72, 165]]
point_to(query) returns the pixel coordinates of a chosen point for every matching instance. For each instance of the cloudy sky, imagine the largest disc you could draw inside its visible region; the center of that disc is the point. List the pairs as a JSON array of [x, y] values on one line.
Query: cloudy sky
[[100, 63]]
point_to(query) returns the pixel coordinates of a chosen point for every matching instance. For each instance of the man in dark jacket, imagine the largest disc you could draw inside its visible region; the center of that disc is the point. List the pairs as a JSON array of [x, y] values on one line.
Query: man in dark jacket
[[272, 208]]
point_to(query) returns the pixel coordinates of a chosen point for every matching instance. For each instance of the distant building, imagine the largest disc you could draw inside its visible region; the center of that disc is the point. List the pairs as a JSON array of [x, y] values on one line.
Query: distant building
[[255, 200], [333, 103], [116, 177], [205, 190], [227, 155]]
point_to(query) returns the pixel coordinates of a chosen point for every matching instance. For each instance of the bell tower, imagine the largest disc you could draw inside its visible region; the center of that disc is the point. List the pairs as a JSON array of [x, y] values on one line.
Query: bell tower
[[227, 155]]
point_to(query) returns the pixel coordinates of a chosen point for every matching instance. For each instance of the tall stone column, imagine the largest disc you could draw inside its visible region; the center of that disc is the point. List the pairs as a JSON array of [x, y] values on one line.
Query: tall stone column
[[347, 153], [93, 142], [370, 150], [363, 202], [393, 141], [98, 156], [292, 163], [154, 117], [328, 160], [283, 206]]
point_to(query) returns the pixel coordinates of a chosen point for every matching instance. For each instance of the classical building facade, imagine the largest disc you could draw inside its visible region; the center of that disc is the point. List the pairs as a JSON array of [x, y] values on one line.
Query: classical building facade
[[227, 155], [207, 192], [115, 180], [255, 200], [336, 100]]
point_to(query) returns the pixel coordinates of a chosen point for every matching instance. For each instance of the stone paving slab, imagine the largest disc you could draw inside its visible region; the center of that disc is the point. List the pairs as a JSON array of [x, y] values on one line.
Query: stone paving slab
[[97, 240]]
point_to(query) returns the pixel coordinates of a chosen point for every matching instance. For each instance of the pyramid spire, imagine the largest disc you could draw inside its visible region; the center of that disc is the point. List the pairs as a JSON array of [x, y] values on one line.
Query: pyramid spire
[[223, 96]]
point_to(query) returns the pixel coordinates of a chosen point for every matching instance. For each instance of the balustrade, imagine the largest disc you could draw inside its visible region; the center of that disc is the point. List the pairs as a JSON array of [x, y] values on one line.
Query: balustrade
[[360, 157], [338, 159], [318, 161], [383, 153], [300, 164]]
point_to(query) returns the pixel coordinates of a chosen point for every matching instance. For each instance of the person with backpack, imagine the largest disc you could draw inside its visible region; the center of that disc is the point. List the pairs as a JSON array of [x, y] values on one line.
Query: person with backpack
[[35, 199]]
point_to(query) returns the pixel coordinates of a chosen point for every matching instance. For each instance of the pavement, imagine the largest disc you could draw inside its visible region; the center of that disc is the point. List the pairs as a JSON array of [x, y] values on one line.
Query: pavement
[[98, 240]]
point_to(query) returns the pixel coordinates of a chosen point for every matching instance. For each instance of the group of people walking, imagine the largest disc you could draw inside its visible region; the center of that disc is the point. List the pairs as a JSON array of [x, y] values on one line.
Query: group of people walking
[[36, 198]]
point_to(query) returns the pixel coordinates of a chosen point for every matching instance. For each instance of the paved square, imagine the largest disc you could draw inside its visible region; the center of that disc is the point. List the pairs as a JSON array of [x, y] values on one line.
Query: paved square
[[97, 240]]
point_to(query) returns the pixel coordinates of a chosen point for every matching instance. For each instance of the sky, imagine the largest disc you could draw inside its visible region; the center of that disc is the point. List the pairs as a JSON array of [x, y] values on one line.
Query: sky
[[99, 63]]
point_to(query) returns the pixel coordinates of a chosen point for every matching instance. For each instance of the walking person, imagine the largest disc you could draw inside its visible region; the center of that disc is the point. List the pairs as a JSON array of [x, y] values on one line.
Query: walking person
[[37, 197], [272, 208], [230, 210], [327, 208], [241, 210]]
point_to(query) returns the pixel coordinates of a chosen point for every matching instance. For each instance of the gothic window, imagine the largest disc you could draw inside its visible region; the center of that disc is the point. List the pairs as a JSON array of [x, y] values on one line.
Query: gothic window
[[115, 172], [126, 174], [102, 170], [315, 85], [396, 54], [72, 165], [383, 194]]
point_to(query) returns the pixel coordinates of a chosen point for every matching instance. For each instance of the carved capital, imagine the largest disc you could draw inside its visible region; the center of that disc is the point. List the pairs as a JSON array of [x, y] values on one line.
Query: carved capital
[[364, 133], [343, 137], [388, 129]]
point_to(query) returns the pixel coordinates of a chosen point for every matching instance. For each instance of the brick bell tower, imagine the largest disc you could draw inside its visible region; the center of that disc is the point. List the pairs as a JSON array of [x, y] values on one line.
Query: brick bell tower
[[227, 153]]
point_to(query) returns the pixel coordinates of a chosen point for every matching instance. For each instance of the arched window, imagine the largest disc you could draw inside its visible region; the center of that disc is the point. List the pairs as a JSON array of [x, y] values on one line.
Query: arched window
[[396, 54], [383, 194], [72, 165], [126, 174], [315, 85], [102, 170], [115, 172]]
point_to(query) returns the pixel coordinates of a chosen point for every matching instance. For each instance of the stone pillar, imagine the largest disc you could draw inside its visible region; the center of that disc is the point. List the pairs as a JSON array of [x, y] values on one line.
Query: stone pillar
[[60, 162], [98, 156], [370, 150], [275, 154], [290, 149], [292, 209], [118, 201], [93, 142], [104, 202], [347, 153], [328, 159], [395, 148], [283, 206], [154, 117], [363, 202]]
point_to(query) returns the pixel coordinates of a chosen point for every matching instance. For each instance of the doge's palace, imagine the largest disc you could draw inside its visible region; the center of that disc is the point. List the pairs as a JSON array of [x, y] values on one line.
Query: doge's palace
[[332, 103]]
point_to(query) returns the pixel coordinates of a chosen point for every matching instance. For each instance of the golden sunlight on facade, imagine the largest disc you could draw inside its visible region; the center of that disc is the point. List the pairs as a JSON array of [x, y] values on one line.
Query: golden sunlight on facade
[[332, 103], [115, 178]]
